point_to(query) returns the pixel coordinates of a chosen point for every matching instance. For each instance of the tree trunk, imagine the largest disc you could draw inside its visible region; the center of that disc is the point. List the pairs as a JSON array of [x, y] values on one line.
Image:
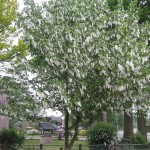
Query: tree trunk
[[78, 118], [141, 124], [67, 131], [103, 117], [68, 145], [128, 125]]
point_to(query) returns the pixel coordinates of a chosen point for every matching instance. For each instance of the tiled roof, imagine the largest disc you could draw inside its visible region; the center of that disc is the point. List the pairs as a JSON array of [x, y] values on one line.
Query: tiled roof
[[46, 126]]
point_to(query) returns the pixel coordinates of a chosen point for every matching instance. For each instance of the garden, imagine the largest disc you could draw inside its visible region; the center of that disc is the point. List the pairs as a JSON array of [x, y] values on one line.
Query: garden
[[102, 136]]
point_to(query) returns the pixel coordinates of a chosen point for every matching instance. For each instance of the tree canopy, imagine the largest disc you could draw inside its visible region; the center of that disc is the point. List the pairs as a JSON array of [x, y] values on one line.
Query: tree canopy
[[83, 57], [144, 8], [9, 52], [7, 30]]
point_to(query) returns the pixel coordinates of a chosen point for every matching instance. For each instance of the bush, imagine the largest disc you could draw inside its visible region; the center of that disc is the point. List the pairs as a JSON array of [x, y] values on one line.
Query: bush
[[137, 138], [101, 133], [10, 140], [33, 132]]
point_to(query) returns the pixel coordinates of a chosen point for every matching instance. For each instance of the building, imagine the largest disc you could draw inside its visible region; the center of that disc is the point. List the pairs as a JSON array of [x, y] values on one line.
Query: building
[[46, 126]]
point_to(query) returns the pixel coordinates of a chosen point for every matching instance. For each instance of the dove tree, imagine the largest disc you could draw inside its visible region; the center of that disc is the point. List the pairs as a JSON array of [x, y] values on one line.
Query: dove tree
[[83, 57], [143, 14]]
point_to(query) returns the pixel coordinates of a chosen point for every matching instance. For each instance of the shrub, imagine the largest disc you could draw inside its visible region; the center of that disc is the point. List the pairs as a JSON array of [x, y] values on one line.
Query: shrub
[[137, 138], [33, 132], [10, 140], [101, 133]]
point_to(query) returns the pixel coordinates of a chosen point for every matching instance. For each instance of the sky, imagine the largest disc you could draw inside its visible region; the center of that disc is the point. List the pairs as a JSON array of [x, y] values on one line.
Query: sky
[[48, 112]]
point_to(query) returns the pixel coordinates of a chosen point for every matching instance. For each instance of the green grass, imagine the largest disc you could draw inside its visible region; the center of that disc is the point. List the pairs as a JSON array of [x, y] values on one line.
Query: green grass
[[54, 145], [54, 142], [33, 136]]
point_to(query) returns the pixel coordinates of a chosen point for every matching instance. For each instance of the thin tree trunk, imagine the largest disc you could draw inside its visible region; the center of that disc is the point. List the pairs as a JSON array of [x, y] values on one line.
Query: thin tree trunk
[[128, 125], [67, 115], [76, 132], [67, 131], [68, 145], [103, 117], [141, 124]]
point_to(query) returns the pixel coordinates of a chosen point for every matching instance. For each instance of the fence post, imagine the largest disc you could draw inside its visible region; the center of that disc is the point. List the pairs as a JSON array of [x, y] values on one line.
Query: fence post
[[115, 146], [80, 146], [129, 146], [41, 146], [61, 148]]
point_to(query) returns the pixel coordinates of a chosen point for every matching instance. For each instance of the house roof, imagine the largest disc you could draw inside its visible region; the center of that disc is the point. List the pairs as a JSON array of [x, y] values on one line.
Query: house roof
[[46, 126]]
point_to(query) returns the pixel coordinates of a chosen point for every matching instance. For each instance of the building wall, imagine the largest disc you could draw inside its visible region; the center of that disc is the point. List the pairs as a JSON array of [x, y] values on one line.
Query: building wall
[[4, 120]]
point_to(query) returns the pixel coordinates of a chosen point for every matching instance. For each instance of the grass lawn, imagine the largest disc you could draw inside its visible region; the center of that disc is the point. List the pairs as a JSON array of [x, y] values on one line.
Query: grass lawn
[[54, 145], [54, 142], [32, 136]]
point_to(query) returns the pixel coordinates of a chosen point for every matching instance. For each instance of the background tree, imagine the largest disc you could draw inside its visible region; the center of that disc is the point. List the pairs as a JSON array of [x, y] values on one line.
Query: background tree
[[9, 52], [8, 33], [144, 5], [116, 119], [141, 123], [7, 30], [144, 10], [143, 14]]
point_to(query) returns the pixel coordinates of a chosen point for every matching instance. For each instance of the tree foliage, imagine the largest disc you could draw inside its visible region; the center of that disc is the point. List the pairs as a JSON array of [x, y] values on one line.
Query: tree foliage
[[144, 5], [7, 30], [8, 51], [144, 10], [9, 33], [83, 57]]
